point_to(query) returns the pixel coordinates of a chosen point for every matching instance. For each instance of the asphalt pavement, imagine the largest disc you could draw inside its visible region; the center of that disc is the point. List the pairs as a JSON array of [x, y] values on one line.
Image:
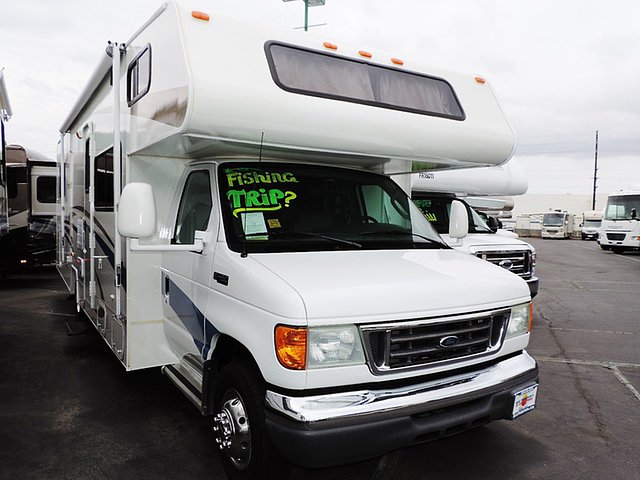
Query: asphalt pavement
[[68, 410]]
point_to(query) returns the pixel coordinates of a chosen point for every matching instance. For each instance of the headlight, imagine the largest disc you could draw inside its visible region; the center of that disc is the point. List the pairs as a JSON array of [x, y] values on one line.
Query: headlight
[[334, 346], [299, 348], [521, 320]]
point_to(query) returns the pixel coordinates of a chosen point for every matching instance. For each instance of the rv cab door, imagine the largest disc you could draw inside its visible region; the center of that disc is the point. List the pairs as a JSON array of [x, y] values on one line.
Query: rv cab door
[[187, 275]]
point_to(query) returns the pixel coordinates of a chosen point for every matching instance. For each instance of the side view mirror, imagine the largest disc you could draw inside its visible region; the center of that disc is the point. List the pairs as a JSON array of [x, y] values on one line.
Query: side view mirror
[[137, 220], [137, 211], [492, 223], [458, 220]]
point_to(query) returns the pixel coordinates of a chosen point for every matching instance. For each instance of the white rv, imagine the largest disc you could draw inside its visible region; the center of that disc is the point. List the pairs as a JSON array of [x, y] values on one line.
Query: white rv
[[227, 215], [557, 224], [434, 192], [620, 230], [590, 225], [30, 239], [5, 115]]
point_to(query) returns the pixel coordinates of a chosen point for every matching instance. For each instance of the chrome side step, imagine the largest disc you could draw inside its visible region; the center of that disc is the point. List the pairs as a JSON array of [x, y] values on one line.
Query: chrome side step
[[187, 376]]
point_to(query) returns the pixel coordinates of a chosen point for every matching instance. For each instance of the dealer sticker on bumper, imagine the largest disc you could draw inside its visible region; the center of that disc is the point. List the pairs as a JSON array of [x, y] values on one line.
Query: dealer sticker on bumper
[[524, 400]]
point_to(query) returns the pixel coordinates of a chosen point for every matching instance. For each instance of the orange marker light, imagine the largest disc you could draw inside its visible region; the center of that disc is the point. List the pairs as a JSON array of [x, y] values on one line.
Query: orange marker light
[[530, 316], [291, 347], [200, 15], [330, 46], [397, 61], [480, 80], [365, 54]]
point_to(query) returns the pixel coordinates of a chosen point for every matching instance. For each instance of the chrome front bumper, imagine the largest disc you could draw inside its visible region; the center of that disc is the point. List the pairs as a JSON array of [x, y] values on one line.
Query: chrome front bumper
[[332, 429], [399, 401]]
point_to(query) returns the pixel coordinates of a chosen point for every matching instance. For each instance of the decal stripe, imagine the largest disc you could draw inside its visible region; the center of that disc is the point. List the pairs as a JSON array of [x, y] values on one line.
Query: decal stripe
[[200, 328]]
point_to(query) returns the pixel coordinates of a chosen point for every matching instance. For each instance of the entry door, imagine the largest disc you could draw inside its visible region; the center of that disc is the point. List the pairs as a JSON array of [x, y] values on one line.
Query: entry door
[[187, 275], [87, 241]]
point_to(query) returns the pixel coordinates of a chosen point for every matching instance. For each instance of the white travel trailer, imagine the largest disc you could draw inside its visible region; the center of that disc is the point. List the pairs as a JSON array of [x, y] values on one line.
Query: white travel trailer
[[434, 193], [30, 239], [620, 230], [5, 115], [243, 236]]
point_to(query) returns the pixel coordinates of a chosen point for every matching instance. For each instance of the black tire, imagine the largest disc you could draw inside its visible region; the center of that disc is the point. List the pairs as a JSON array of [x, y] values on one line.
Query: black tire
[[617, 250], [239, 397], [605, 247]]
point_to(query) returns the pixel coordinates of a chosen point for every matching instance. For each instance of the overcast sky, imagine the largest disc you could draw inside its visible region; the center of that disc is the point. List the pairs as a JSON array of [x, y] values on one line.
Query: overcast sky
[[562, 69]]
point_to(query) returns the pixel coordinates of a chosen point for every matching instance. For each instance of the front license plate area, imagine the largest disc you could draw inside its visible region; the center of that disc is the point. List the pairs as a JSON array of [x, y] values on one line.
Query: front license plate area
[[524, 400]]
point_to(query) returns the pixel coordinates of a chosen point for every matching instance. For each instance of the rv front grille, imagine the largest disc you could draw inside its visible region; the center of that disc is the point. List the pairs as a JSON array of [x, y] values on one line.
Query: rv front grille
[[519, 262], [616, 237], [418, 343]]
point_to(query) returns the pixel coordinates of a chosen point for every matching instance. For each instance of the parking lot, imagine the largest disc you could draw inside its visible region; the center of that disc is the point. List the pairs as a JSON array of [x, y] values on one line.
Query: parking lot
[[70, 411]]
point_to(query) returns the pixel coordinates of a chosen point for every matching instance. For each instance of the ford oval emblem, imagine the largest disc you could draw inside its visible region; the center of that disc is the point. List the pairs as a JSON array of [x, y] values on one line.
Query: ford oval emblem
[[508, 264], [449, 341]]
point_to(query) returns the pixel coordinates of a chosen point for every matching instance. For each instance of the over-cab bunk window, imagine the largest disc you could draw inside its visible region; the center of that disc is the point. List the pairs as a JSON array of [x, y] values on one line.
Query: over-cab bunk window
[[326, 75], [139, 76]]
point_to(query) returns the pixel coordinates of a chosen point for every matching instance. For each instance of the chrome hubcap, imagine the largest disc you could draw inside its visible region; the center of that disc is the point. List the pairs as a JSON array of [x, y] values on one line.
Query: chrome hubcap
[[231, 430]]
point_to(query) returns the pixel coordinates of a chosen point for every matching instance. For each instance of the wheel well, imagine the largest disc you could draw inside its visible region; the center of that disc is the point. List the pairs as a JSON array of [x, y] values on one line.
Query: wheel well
[[227, 350]]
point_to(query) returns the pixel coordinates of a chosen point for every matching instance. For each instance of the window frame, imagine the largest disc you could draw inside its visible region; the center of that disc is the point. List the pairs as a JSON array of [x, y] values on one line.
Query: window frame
[[134, 65], [367, 65]]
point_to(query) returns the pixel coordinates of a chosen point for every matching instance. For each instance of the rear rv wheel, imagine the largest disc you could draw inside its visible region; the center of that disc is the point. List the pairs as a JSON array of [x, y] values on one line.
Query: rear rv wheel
[[239, 426]]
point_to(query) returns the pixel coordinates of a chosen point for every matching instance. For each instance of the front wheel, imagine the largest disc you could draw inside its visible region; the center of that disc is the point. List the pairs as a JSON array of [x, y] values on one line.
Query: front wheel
[[618, 250], [239, 426]]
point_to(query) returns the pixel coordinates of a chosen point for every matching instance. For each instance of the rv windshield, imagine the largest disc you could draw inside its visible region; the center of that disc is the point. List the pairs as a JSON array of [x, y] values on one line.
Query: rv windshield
[[553, 219], [592, 223], [284, 207], [619, 207]]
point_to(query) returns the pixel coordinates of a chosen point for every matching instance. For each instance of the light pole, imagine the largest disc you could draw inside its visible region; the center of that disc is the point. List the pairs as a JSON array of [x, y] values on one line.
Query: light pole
[[307, 4]]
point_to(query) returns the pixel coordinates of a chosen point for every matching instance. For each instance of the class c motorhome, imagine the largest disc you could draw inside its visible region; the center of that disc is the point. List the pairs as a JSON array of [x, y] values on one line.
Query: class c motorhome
[[227, 214], [590, 225], [434, 192], [620, 230], [557, 224]]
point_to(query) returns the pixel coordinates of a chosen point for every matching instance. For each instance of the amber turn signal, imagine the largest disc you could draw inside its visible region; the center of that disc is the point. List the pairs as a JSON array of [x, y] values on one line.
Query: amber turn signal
[[200, 15], [530, 316], [291, 347]]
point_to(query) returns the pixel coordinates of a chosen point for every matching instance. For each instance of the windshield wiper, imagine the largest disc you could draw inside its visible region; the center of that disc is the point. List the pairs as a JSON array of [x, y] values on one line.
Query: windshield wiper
[[307, 234], [402, 232]]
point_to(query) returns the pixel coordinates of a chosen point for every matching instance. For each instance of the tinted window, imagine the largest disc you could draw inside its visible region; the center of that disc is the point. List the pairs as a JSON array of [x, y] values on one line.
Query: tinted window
[[139, 76], [278, 207], [324, 75], [46, 189], [195, 207], [103, 178], [15, 176], [437, 209]]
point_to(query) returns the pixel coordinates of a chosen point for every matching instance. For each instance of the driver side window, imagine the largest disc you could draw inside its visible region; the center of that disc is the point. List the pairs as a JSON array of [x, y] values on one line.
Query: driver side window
[[382, 208], [195, 207]]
